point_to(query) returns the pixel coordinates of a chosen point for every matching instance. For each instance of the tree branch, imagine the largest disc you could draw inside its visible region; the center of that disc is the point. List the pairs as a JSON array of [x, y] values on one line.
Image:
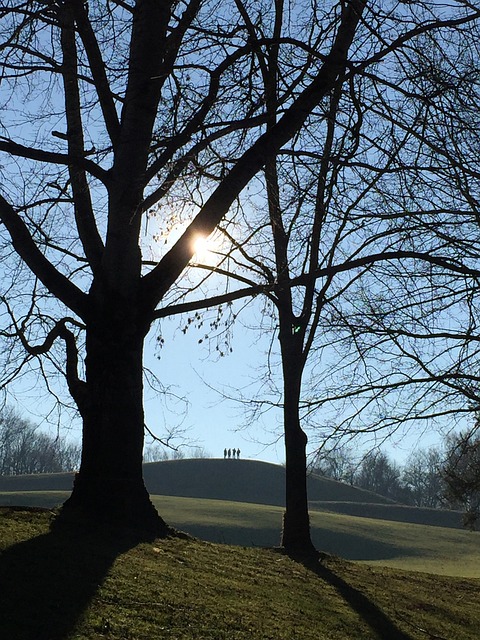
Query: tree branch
[[52, 157], [158, 281], [84, 216], [97, 67], [187, 307], [25, 246], [304, 279], [77, 387]]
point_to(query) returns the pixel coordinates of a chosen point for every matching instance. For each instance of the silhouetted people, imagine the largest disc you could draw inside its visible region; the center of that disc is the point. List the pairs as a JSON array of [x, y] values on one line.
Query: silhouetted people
[[231, 453]]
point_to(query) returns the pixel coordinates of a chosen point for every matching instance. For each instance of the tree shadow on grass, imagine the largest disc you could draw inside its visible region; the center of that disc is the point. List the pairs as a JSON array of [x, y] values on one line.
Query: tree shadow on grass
[[47, 582], [351, 546], [379, 622]]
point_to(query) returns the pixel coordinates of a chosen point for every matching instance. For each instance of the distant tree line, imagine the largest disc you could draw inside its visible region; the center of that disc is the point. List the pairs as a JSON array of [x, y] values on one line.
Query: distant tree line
[[461, 474], [447, 476], [156, 452], [25, 449]]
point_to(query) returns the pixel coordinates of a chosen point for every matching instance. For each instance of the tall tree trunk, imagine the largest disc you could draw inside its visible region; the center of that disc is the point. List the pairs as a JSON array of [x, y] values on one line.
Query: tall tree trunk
[[109, 485], [296, 537]]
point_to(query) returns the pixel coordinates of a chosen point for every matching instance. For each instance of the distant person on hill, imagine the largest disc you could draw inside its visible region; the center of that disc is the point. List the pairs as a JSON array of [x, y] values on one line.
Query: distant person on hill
[[229, 453], [225, 452], [234, 453], [238, 454]]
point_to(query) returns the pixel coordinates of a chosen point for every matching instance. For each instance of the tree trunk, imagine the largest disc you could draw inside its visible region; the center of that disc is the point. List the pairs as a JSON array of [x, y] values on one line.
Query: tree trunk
[[109, 485], [296, 537]]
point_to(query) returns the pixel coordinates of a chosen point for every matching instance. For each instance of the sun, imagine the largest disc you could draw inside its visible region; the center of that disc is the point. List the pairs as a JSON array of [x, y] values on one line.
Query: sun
[[205, 249], [200, 245]]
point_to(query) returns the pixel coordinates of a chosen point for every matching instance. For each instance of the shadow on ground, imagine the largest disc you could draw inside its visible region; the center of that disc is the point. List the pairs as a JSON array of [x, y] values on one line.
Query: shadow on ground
[[47, 582], [378, 621], [339, 543], [351, 546]]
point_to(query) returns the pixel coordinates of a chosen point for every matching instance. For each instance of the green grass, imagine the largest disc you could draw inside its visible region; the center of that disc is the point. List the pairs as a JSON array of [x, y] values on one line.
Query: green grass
[[45, 499], [397, 512], [444, 551], [81, 585], [407, 546]]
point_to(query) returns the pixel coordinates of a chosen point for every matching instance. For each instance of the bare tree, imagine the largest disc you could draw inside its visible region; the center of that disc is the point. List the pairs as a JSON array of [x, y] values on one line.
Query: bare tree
[[24, 449], [111, 112], [379, 474], [339, 463], [461, 473], [412, 346], [313, 240], [422, 478]]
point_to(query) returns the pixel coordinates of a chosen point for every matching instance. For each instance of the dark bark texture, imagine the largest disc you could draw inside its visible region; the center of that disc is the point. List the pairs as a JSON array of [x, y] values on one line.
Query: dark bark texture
[[296, 537], [109, 484]]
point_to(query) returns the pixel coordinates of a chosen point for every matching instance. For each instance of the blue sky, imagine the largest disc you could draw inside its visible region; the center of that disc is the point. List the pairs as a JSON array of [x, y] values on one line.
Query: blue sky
[[203, 379]]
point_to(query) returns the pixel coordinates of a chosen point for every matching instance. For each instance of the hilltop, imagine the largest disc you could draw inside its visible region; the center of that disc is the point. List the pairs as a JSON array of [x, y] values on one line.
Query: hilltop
[[241, 502], [242, 481]]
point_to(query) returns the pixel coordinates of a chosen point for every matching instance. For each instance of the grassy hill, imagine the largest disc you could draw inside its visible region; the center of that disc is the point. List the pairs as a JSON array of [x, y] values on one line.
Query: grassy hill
[[245, 481], [236, 480], [37, 482], [191, 590], [395, 512], [240, 502]]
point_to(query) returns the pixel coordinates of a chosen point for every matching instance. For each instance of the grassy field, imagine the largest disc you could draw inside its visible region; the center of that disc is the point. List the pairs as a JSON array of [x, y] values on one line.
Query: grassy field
[[402, 545], [444, 551], [79, 585]]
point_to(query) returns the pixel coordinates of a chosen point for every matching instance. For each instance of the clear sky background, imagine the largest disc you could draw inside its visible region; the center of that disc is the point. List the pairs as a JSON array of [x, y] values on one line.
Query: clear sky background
[[208, 385]]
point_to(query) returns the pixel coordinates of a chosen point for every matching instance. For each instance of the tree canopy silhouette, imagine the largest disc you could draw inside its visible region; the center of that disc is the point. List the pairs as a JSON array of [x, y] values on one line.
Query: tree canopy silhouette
[[111, 111]]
